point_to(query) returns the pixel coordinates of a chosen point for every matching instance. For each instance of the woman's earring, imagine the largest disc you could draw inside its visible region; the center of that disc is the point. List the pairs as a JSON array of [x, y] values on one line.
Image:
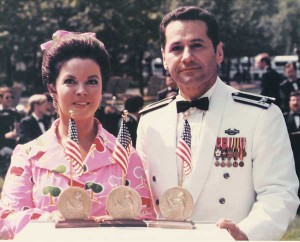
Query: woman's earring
[[53, 101]]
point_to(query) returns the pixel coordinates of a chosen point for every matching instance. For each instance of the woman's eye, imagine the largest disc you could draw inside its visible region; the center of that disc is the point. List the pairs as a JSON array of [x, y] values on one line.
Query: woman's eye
[[69, 81], [93, 81]]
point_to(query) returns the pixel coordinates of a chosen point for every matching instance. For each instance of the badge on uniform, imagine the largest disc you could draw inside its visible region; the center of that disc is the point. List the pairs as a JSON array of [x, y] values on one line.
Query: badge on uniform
[[230, 152]]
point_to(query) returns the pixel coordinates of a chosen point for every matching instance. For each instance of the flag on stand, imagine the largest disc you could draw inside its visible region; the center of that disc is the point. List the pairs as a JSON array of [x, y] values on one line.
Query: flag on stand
[[72, 150], [184, 148], [123, 147]]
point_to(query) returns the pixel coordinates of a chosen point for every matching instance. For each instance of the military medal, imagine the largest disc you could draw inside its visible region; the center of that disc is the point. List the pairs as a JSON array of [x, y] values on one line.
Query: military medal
[[224, 151], [229, 152], [242, 152], [235, 151], [218, 152]]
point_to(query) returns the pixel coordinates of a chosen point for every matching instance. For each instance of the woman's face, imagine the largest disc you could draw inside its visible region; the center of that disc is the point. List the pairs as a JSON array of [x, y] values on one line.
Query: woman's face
[[78, 88]]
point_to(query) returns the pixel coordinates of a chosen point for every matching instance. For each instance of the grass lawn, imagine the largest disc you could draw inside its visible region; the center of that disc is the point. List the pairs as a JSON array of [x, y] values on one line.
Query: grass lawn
[[293, 232]]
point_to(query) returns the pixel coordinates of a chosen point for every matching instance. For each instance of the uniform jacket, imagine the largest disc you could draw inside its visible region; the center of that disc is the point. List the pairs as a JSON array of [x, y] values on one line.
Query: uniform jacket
[[29, 129], [39, 171], [261, 196]]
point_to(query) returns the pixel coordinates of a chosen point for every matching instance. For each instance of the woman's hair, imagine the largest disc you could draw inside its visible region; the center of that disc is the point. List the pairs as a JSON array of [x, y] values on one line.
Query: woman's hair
[[74, 45]]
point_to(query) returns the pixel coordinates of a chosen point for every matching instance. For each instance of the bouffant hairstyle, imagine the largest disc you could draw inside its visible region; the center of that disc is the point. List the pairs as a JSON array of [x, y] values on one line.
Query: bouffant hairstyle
[[74, 45]]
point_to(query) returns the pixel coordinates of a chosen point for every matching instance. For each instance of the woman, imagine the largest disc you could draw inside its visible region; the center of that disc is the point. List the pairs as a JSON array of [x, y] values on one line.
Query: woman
[[75, 68]]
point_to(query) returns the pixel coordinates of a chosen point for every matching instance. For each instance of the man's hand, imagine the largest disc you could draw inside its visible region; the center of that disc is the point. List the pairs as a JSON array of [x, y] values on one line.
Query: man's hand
[[232, 228]]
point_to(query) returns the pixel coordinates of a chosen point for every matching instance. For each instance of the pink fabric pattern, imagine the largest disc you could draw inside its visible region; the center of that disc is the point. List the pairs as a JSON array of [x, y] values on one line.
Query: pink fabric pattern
[[39, 172]]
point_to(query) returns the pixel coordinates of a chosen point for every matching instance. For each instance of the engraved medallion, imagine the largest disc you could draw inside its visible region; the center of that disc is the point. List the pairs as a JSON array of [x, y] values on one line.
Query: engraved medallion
[[223, 164], [123, 203], [235, 164], [228, 164], [176, 204], [241, 163], [217, 163], [74, 203]]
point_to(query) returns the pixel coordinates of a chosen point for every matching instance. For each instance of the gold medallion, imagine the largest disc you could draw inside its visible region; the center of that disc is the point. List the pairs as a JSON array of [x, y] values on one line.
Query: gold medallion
[[176, 204], [123, 203]]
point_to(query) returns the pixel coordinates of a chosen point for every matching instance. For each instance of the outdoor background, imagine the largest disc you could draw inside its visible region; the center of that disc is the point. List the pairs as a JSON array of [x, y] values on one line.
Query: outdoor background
[[129, 30]]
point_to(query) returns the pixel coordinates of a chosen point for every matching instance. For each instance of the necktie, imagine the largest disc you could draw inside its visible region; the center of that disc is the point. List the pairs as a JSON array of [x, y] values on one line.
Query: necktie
[[201, 104]]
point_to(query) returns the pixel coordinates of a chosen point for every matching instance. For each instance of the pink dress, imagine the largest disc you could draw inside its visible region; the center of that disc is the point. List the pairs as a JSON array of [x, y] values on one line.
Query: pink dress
[[39, 172]]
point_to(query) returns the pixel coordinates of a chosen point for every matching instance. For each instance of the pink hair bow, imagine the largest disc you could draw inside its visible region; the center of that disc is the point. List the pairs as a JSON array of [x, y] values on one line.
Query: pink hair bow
[[60, 34]]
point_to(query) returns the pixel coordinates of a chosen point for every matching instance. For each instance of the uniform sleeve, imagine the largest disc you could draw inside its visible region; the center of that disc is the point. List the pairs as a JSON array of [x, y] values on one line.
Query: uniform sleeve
[[137, 180], [274, 178], [16, 205]]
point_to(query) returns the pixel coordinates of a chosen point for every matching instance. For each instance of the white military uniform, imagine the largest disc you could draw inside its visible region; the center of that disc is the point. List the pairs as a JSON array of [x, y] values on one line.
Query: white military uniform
[[261, 196]]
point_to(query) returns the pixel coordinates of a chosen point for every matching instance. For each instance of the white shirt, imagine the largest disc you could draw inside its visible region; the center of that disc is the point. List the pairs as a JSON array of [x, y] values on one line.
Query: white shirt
[[195, 118]]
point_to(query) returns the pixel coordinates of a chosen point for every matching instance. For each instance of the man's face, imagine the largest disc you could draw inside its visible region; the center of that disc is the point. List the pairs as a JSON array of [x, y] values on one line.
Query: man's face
[[294, 103], [189, 54], [259, 64], [290, 72], [41, 107]]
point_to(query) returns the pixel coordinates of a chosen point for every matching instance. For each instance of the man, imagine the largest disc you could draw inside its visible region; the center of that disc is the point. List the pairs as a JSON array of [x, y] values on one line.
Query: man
[[292, 119], [289, 85], [34, 125], [251, 192], [170, 90], [270, 79]]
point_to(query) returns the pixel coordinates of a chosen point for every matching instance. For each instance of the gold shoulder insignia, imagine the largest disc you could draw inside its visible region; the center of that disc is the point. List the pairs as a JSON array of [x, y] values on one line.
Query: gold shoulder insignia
[[253, 99], [157, 105]]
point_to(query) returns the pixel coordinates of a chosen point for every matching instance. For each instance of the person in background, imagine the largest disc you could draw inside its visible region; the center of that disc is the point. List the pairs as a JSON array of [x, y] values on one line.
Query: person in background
[[171, 88], [133, 105], [240, 171], [292, 119], [75, 68], [35, 123], [9, 125], [270, 79], [290, 84]]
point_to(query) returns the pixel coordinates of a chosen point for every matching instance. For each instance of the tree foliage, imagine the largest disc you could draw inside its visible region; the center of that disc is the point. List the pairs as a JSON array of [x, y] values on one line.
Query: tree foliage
[[129, 29]]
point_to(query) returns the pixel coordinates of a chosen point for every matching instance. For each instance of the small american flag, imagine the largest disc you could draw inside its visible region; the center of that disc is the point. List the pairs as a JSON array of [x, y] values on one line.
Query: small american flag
[[184, 148], [72, 150], [123, 147]]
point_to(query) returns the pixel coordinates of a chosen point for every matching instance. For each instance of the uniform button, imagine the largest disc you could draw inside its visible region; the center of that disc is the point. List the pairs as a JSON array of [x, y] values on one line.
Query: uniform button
[[157, 202], [226, 175], [154, 178], [222, 200]]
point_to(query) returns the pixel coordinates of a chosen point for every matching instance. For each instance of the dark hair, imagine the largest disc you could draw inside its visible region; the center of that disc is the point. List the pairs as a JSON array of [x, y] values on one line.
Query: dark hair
[[134, 104], [293, 64], [267, 60], [191, 13], [71, 46], [295, 94]]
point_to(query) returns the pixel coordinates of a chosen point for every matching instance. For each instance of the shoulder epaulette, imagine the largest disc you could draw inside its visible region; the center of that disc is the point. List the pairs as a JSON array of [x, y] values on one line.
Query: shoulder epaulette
[[157, 105], [253, 99]]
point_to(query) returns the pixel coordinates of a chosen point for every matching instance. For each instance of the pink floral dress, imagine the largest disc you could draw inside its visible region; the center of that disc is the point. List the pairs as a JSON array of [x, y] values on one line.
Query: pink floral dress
[[39, 172]]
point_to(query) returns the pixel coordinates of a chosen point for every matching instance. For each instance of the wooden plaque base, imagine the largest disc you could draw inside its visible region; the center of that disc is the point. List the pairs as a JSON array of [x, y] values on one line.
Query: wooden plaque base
[[76, 223], [187, 224], [123, 223]]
